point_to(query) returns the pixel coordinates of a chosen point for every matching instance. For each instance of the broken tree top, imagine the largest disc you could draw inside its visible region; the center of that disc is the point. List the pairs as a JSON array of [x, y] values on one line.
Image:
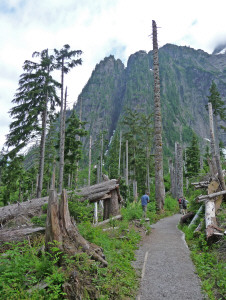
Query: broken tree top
[[99, 191]]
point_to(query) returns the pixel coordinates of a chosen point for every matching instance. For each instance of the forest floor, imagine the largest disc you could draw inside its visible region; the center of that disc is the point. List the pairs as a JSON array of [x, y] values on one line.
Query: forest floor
[[164, 263]]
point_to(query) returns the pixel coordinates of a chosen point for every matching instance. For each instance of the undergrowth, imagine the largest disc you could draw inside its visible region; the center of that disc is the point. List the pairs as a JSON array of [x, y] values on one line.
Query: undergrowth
[[209, 260], [27, 273]]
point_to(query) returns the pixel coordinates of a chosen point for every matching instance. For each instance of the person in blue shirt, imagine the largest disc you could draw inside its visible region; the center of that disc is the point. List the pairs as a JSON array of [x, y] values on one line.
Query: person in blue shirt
[[144, 202]]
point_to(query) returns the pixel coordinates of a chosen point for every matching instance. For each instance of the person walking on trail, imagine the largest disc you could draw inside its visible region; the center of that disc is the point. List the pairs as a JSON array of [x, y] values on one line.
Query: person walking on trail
[[180, 205], [144, 202], [184, 203]]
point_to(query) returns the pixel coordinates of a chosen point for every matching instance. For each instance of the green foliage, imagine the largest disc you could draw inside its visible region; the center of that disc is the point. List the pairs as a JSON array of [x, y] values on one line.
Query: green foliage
[[119, 280], [193, 157], [36, 89], [209, 264], [81, 211], [39, 221], [218, 105], [21, 270], [73, 151]]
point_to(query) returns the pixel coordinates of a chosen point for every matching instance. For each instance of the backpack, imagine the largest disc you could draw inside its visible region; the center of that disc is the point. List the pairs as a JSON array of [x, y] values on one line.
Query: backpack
[[179, 200], [184, 203]]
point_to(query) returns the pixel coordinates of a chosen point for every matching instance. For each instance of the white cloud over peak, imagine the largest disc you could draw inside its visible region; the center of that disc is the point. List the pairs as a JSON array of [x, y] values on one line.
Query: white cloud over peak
[[98, 28]]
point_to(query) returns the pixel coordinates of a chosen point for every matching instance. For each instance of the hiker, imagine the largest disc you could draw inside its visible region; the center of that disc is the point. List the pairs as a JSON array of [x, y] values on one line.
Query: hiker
[[144, 202], [184, 203], [180, 205]]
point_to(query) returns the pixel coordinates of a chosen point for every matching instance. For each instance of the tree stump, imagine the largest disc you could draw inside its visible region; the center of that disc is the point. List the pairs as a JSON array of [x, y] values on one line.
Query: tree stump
[[60, 228]]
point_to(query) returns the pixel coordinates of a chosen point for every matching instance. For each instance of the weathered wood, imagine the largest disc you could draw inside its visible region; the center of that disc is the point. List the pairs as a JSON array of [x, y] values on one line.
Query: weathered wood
[[90, 158], [60, 228], [210, 196], [179, 170], [29, 208], [212, 138], [19, 234], [118, 217], [184, 219], [210, 209], [159, 181], [201, 184]]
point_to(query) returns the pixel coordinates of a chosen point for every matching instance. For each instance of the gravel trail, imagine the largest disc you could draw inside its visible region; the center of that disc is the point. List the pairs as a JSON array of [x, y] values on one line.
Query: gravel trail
[[167, 271]]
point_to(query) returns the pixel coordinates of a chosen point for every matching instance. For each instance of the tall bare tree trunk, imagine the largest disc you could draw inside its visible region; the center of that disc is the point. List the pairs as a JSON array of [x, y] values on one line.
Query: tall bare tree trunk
[[90, 149], [119, 156], [101, 156], [172, 178], [62, 142], [127, 164], [159, 182], [179, 174], [212, 138], [61, 129], [148, 171], [77, 163]]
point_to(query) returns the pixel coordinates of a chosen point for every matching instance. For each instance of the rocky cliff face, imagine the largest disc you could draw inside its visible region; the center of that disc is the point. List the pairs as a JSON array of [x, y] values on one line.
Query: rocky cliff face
[[185, 76]]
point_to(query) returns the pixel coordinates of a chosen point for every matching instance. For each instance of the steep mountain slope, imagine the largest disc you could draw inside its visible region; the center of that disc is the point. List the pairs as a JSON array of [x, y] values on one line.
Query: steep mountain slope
[[185, 77]]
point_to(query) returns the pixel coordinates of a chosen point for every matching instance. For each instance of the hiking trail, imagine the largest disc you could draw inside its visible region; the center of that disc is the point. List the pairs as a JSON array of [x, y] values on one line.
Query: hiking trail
[[167, 271]]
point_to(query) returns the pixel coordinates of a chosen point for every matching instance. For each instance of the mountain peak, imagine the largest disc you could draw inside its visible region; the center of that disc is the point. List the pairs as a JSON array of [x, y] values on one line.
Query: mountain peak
[[220, 49]]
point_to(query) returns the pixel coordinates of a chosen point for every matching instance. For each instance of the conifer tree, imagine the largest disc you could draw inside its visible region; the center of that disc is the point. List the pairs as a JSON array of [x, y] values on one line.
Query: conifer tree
[[35, 101], [73, 144], [193, 157]]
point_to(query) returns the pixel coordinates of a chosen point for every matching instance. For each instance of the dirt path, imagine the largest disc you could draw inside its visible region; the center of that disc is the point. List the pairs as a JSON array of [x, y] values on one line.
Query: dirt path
[[167, 271]]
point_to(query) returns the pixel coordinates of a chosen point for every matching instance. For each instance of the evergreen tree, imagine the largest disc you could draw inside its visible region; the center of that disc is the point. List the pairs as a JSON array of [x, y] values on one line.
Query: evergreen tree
[[218, 104], [35, 101], [193, 157], [14, 180], [73, 145]]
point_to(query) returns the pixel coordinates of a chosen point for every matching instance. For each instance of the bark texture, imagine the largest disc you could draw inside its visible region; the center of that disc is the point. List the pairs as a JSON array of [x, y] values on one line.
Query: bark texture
[[60, 228], [179, 175], [159, 182], [212, 138]]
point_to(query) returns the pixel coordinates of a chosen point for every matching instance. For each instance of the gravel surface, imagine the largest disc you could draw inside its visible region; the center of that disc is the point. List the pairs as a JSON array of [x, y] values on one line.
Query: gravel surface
[[164, 263]]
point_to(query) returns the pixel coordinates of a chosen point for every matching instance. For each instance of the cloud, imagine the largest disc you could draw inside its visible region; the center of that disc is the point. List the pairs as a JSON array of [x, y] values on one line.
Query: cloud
[[99, 28]]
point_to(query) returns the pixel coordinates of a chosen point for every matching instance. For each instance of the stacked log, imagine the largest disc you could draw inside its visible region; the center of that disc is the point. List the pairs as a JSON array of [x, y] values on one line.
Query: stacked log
[[216, 190]]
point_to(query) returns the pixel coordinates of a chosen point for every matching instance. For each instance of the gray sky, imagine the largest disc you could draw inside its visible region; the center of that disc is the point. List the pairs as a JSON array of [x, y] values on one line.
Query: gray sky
[[98, 28]]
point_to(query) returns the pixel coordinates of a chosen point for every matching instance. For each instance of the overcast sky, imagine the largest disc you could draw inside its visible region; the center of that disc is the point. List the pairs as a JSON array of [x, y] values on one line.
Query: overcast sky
[[98, 28]]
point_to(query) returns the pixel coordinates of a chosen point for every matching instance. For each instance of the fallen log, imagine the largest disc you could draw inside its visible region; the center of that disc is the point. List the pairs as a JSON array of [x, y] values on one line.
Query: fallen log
[[201, 184], [118, 217], [97, 192], [185, 219], [20, 234], [210, 196], [28, 208]]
